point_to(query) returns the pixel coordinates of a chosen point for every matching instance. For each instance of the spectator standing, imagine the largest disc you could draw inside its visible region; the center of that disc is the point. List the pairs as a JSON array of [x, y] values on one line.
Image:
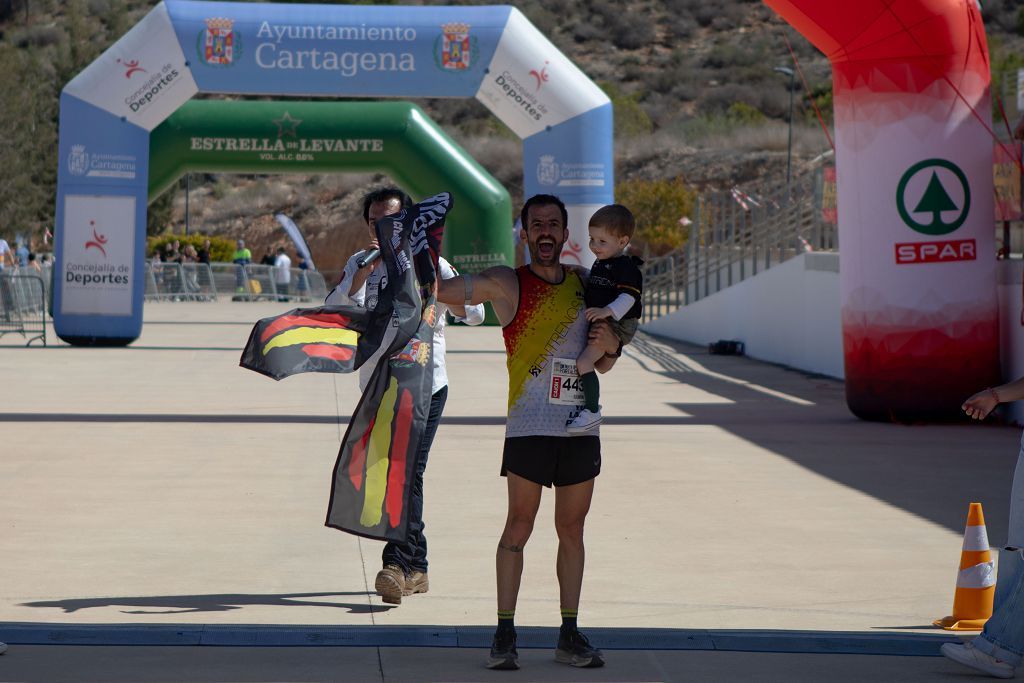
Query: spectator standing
[[21, 254], [203, 255], [172, 273], [204, 272], [241, 258], [189, 260], [303, 283], [282, 273], [5, 254]]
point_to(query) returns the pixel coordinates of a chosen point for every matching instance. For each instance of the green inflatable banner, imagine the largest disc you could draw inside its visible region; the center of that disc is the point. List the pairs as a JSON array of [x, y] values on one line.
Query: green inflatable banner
[[396, 138]]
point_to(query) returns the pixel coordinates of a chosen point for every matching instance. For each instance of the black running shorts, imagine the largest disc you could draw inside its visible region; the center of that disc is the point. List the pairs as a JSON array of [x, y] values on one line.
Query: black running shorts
[[547, 460]]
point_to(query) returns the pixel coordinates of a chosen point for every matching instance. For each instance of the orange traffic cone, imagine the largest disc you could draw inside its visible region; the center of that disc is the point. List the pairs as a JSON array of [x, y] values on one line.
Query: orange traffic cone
[[975, 584]]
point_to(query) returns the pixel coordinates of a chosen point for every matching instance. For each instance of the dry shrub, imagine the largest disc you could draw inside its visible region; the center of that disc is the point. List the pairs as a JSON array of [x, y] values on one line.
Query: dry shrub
[[221, 248], [38, 36], [502, 157], [771, 136]]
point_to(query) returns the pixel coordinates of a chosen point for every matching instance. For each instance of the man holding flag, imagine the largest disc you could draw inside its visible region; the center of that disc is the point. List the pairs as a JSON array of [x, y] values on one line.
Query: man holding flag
[[404, 569], [372, 483]]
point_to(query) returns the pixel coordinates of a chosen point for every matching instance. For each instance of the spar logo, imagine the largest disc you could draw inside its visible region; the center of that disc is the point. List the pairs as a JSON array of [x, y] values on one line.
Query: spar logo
[[933, 198], [131, 67], [218, 44], [97, 242], [541, 76], [455, 50]]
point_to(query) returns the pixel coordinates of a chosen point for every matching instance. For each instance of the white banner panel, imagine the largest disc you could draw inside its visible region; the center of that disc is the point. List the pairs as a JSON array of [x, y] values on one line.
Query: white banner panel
[[531, 85], [577, 248], [98, 248], [142, 77]]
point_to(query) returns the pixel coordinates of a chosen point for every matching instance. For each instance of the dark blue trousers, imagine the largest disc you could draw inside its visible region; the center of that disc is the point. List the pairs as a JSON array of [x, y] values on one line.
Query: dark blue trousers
[[412, 555]]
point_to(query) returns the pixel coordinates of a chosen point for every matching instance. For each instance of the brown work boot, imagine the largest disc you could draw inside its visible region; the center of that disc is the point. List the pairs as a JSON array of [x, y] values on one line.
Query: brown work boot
[[416, 582], [390, 584]]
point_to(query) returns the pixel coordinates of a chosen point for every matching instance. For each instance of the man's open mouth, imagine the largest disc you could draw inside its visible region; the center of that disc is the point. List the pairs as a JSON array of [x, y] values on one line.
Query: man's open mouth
[[546, 248]]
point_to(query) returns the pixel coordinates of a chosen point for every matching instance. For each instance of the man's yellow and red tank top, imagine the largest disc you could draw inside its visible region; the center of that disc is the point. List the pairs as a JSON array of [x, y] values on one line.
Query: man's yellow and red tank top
[[548, 324]]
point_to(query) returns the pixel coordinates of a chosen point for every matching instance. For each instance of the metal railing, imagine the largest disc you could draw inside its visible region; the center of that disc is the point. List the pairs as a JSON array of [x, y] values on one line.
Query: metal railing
[[736, 236], [23, 306], [179, 282], [252, 282]]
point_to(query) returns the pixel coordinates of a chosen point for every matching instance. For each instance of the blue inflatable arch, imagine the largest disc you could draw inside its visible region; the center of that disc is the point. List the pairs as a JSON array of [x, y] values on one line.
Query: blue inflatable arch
[[185, 47]]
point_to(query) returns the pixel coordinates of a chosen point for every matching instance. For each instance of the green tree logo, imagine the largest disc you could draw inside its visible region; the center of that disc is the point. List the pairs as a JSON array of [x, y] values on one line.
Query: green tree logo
[[935, 201]]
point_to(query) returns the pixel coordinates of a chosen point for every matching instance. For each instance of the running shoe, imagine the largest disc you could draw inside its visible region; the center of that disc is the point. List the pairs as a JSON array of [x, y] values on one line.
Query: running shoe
[[968, 655], [503, 651], [584, 422], [575, 650]]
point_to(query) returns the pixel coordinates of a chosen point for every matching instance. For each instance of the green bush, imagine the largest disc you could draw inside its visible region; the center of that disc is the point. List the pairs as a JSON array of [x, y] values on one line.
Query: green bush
[[741, 112], [658, 205], [630, 118], [221, 248]]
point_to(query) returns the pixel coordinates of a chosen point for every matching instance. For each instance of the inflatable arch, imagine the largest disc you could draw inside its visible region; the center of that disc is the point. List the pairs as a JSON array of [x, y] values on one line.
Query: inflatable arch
[[325, 137], [916, 223], [182, 47]]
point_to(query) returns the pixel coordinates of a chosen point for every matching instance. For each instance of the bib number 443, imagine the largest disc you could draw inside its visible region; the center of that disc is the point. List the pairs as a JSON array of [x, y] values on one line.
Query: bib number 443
[[565, 386]]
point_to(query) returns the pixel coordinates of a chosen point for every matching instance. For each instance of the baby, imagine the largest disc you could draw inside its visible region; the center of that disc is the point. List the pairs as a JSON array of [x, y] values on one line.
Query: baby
[[613, 294]]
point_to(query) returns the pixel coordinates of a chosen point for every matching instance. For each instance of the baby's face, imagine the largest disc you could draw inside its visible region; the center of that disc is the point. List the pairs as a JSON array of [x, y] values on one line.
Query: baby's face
[[604, 244]]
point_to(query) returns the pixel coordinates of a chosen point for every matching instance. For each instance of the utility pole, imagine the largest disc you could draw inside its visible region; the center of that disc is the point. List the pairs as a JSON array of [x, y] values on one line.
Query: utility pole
[[789, 147], [188, 191]]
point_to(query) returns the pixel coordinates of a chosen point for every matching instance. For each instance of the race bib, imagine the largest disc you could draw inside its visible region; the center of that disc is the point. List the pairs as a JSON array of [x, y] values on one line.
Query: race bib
[[565, 388]]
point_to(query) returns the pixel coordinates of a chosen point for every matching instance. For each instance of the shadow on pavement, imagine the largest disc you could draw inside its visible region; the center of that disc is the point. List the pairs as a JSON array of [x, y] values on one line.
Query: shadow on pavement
[[182, 604], [933, 471]]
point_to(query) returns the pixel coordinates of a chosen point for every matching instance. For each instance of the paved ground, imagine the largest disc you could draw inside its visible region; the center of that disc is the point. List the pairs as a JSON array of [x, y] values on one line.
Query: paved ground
[[162, 488]]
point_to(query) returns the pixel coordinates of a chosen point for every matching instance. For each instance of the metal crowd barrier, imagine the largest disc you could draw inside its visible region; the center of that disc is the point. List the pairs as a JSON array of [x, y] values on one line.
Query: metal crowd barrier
[[251, 282], [23, 306], [179, 282]]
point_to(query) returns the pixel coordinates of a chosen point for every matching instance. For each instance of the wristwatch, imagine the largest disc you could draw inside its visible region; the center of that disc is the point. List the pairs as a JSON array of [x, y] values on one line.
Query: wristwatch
[[618, 351]]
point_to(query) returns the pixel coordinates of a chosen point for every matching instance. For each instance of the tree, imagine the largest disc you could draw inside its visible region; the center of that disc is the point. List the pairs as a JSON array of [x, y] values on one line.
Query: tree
[[658, 206], [935, 200], [28, 148]]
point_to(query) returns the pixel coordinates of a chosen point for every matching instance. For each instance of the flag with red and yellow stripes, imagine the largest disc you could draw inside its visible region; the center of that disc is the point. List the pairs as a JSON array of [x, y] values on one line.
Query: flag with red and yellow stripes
[[375, 465], [304, 340]]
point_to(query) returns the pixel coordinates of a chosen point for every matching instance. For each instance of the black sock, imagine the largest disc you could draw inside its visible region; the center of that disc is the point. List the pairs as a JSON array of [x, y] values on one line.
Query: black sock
[[506, 620], [569, 620], [591, 391]]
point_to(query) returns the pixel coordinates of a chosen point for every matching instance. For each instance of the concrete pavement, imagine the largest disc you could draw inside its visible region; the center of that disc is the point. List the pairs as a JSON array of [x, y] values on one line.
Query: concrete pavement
[[162, 488]]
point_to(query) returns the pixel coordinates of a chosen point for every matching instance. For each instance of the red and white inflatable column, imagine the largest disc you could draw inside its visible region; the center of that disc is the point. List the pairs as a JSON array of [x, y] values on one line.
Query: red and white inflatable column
[[914, 173]]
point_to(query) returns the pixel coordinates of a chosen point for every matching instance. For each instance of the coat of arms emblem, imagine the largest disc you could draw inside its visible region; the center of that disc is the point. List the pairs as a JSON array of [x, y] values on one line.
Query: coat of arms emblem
[[78, 160], [547, 170], [456, 49], [218, 42]]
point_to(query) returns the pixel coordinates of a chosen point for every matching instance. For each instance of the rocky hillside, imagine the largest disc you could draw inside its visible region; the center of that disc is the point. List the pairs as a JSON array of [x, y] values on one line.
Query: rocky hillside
[[693, 83]]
